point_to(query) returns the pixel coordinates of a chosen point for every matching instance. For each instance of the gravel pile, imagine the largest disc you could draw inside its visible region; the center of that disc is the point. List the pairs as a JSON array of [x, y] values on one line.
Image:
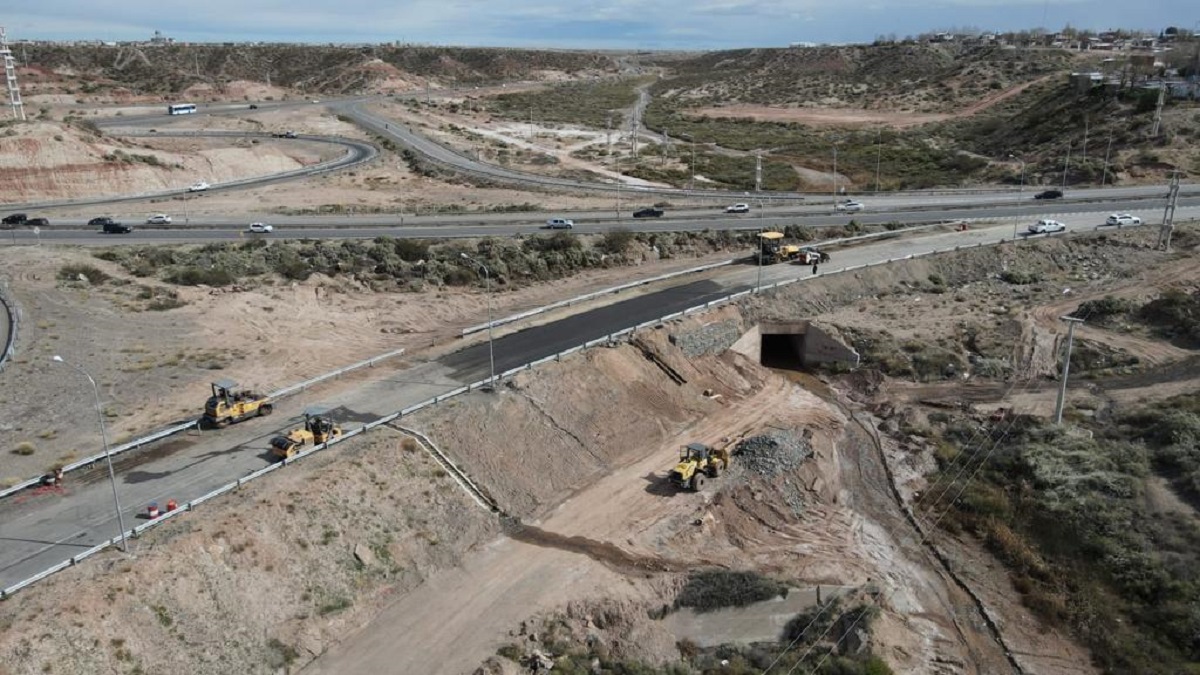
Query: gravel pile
[[773, 453], [711, 339]]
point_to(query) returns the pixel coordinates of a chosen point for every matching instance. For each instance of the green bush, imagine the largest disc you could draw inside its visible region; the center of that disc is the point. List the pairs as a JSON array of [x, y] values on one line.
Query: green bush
[[72, 272], [713, 589], [616, 241], [1019, 278]]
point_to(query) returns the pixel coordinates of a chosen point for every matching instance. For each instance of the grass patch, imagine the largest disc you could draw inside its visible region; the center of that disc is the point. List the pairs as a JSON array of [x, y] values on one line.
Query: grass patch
[[24, 449]]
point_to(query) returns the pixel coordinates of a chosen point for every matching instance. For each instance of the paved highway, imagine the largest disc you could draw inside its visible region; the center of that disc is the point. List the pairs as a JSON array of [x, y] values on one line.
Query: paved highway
[[369, 227], [41, 528]]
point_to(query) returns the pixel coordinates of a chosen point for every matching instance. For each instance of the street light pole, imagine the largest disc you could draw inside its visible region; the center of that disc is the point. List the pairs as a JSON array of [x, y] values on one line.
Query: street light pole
[[487, 281], [112, 477], [1020, 194]]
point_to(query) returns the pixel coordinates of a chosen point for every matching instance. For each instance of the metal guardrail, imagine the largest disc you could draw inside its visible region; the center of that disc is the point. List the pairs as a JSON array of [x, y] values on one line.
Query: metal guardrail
[[607, 339], [183, 426]]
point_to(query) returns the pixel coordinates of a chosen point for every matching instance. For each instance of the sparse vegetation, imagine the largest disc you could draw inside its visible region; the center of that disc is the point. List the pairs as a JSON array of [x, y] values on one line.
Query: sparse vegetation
[[714, 589], [25, 449], [593, 103], [76, 272], [1067, 515]]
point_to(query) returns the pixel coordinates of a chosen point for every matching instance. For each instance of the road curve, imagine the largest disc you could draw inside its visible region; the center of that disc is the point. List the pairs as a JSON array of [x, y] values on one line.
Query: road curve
[[356, 153]]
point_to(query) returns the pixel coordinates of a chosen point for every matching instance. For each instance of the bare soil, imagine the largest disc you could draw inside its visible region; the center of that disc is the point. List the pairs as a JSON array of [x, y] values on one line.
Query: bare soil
[[852, 117], [578, 451], [155, 366]]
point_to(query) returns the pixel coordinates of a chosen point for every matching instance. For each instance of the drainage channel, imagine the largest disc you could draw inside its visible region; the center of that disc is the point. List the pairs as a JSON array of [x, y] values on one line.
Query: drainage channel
[[450, 467]]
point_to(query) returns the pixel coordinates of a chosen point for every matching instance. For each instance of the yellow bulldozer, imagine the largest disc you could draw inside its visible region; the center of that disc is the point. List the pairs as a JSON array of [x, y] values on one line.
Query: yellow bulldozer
[[697, 462], [317, 429], [228, 404]]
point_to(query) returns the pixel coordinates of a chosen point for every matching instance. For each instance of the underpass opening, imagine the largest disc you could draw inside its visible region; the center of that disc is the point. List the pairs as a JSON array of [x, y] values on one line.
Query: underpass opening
[[799, 345]]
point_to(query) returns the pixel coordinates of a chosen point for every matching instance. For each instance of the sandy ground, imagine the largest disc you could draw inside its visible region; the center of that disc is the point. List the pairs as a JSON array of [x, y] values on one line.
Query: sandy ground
[[583, 548]]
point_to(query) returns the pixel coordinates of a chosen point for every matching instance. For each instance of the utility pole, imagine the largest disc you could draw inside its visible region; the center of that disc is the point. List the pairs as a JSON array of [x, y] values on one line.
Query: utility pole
[[531, 123], [1162, 97], [835, 175], [1085, 135], [1107, 153], [1066, 368], [1066, 166], [878, 157], [693, 183], [608, 134], [618, 188], [1168, 223], [758, 171], [666, 147]]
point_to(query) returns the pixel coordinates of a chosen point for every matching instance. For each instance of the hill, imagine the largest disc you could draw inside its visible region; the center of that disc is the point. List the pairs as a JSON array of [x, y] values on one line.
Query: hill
[[171, 69]]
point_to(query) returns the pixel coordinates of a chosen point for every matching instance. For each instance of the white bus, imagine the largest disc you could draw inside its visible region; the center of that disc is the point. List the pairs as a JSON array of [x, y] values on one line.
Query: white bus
[[181, 109]]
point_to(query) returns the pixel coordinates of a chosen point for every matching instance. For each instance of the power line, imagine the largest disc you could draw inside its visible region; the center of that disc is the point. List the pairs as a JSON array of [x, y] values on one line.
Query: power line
[[924, 540]]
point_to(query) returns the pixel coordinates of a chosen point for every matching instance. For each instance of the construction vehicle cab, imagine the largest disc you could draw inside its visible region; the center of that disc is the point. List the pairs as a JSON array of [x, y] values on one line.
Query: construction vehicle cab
[[317, 429], [771, 249], [228, 404], [697, 461]]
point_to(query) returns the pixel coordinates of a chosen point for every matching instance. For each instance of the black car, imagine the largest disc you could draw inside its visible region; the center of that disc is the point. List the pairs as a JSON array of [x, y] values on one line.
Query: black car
[[1048, 194], [100, 220], [37, 222], [648, 212], [253, 106], [15, 219], [116, 228]]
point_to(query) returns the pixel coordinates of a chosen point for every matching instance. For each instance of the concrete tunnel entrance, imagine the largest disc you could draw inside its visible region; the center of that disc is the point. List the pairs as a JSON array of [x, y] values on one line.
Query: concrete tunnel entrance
[[794, 345]]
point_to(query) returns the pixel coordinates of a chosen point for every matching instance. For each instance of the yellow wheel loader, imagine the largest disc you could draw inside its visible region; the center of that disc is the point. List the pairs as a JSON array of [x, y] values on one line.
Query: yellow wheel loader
[[696, 463], [317, 429], [228, 404]]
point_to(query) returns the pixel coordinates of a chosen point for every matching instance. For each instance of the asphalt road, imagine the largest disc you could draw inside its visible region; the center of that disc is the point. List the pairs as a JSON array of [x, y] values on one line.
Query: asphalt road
[[369, 228], [39, 528]]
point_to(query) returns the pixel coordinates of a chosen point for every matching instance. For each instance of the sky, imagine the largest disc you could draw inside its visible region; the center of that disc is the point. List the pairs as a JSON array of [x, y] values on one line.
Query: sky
[[577, 24]]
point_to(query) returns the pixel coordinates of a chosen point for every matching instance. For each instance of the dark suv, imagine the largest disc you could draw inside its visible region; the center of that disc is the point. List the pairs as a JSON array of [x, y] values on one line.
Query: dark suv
[[110, 226], [1048, 194], [37, 222], [15, 219], [648, 212]]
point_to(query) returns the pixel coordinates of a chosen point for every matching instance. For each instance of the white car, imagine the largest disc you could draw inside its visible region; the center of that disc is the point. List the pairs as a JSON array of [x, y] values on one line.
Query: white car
[[159, 219], [849, 206], [1046, 227], [1122, 219], [560, 223], [260, 228], [198, 187], [738, 208]]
